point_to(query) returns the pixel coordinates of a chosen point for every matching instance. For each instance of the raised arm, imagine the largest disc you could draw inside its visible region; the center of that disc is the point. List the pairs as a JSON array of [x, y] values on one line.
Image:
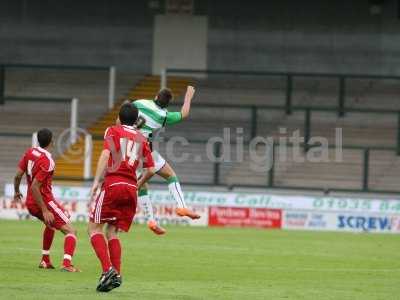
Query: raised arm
[[185, 110]]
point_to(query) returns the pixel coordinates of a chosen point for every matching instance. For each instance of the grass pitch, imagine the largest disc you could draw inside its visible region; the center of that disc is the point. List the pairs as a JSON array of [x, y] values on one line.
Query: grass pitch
[[206, 263]]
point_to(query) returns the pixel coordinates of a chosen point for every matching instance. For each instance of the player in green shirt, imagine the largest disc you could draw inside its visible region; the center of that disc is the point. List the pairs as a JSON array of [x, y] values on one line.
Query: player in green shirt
[[156, 116]]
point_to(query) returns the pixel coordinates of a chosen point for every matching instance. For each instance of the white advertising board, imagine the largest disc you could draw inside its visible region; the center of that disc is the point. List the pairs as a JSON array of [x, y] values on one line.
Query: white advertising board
[[297, 212], [78, 210], [336, 221], [240, 199]]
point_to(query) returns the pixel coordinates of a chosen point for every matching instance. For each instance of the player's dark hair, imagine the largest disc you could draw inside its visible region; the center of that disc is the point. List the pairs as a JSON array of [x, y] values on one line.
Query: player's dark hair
[[163, 98], [44, 137], [128, 114], [127, 101]]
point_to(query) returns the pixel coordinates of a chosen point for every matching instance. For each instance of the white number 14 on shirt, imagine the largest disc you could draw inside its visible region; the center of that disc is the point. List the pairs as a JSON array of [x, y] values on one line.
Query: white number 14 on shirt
[[129, 150]]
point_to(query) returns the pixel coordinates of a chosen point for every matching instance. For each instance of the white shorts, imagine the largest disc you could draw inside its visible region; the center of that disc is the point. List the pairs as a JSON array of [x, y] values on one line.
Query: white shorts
[[159, 163]]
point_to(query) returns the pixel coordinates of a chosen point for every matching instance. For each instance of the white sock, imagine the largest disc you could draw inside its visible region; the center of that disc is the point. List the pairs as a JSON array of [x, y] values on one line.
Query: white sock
[[176, 192], [147, 207]]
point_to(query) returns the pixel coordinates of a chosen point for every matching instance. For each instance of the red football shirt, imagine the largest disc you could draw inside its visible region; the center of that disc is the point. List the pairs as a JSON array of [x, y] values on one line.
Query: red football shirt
[[38, 163], [129, 150]]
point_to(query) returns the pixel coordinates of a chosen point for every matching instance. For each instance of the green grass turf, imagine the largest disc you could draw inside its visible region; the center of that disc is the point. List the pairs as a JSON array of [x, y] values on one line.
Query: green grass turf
[[207, 263]]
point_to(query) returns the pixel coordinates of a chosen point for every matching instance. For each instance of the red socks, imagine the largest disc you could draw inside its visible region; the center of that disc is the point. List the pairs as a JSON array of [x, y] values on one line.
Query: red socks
[[114, 246], [69, 249], [100, 247], [48, 236], [69, 246], [108, 256]]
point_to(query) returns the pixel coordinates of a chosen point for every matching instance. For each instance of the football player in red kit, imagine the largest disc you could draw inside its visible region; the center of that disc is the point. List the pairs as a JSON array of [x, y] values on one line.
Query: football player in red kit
[[124, 150], [38, 165]]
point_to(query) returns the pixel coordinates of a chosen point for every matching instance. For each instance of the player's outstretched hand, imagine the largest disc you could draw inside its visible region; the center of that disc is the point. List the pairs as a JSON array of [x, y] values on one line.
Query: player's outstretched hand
[[189, 92], [48, 217]]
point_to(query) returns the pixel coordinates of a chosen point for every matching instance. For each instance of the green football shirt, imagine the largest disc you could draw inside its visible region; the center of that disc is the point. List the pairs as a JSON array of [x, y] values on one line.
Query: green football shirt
[[155, 116]]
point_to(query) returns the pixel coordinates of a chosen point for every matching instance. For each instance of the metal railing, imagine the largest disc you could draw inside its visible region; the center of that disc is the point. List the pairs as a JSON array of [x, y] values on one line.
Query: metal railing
[[216, 168], [340, 108], [218, 177], [73, 117], [289, 78]]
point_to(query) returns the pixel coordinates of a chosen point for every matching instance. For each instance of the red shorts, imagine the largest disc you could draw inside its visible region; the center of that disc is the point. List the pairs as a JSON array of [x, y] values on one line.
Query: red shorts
[[61, 217], [115, 205]]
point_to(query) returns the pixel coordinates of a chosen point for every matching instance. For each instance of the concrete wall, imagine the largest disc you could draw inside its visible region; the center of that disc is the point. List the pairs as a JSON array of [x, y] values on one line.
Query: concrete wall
[[183, 35], [101, 32]]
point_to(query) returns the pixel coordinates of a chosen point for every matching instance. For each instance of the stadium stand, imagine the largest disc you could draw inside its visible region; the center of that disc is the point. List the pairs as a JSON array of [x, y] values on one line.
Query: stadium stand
[[24, 117], [11, 148], [70, 165], [33, 101], [231, 102], [344, 174], [299, 173], [357, 126], [241, 90], [307, 91], [384, 170], [89, 86], [192, 165], [369, 95]]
